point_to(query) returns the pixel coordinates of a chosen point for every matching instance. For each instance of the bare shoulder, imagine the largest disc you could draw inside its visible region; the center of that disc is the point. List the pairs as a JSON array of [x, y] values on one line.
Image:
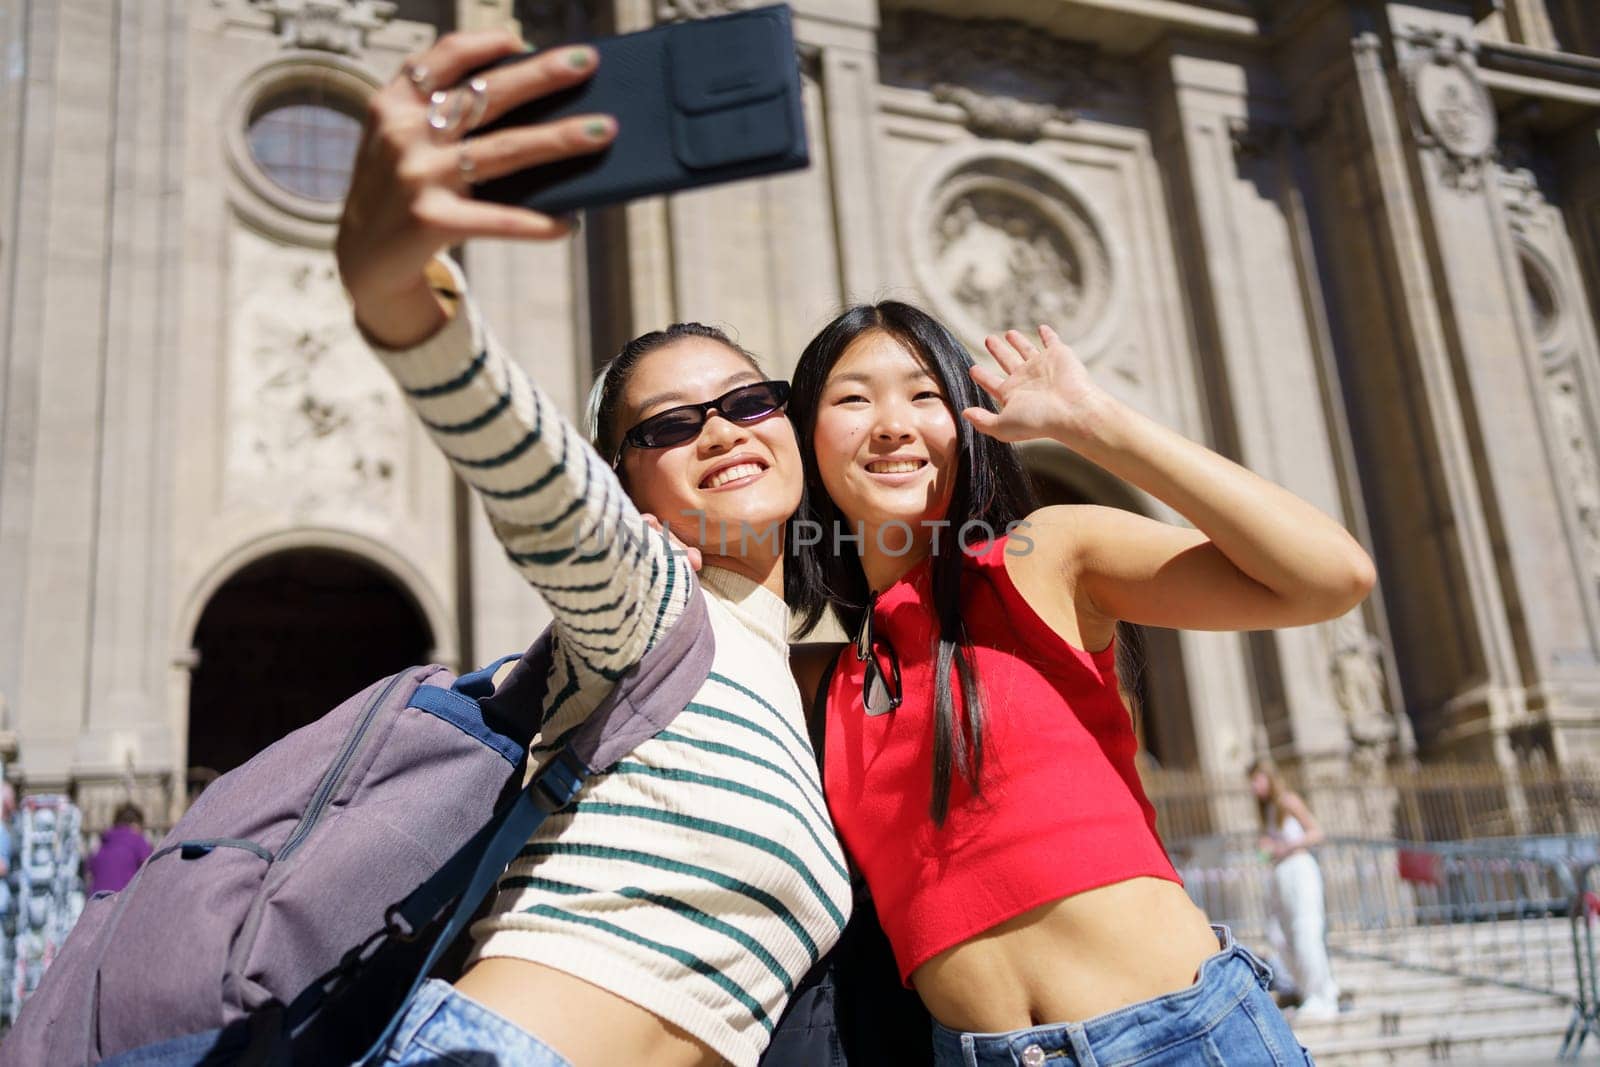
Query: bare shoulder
[[1050, 544], [808, 662]]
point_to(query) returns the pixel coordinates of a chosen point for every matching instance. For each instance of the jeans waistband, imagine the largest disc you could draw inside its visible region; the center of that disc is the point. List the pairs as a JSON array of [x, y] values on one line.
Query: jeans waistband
[[1222, 981], [428, 1000]]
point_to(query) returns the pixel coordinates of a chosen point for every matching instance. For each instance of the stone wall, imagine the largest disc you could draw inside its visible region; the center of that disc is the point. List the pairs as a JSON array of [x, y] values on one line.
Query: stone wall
[[1356, 248]]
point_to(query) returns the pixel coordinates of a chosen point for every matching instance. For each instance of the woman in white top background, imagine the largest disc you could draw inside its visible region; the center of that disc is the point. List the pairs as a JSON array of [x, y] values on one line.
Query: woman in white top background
[[1297, 926]]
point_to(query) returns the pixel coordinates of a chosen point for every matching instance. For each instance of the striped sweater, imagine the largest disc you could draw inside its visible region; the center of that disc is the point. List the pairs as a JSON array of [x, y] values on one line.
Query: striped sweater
[[701, 878]]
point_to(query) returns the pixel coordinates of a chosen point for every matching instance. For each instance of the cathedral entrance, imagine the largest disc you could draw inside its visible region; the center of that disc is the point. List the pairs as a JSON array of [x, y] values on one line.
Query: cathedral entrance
[[284, 641]]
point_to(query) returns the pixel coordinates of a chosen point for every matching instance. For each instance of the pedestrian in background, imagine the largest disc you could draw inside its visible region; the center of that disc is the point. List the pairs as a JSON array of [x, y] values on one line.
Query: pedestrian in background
[[122, 850], [1298, 932]]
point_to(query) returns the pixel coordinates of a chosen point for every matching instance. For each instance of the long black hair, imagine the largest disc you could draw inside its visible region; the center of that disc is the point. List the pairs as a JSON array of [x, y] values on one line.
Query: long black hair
[[991, 487]]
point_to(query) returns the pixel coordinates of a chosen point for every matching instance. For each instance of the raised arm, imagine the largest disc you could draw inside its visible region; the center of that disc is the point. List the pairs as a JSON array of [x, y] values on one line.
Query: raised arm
[[612, 582], [1259, 556]]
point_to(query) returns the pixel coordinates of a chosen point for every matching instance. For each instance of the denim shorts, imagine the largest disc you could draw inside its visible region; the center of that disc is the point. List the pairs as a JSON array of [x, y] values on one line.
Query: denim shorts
[[1225, 1019], [443, 1028]]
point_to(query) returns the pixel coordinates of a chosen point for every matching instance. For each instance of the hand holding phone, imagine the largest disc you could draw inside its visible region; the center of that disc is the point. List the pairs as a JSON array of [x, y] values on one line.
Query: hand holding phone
[[696, 103], [409, 196]]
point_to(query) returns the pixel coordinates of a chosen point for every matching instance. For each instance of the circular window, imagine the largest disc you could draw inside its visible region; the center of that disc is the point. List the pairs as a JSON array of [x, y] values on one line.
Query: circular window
[[305, 140]]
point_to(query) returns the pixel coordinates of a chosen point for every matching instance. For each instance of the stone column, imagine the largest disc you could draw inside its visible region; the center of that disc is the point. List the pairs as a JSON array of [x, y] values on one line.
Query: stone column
[[1274, 393], [27, 159], [1429, 320], [56, 508]]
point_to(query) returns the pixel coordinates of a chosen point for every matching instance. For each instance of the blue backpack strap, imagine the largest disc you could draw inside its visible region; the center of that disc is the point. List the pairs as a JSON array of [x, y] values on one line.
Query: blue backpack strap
[[480, 683]]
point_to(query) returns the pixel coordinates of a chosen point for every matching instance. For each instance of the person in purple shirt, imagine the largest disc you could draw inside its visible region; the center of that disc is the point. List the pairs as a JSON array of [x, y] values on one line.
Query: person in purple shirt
[[122, 849]]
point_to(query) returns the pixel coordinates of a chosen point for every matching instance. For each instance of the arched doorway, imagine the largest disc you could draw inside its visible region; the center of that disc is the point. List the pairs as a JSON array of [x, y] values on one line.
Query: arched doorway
[[285, 640], [1149, 660]]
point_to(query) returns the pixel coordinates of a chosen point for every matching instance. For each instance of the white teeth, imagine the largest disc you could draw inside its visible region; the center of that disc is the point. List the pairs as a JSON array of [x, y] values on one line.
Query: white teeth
[[742, 470], [899, 466]]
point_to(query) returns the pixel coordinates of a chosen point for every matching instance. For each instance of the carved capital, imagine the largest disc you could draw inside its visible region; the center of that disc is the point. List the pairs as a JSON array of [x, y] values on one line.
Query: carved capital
[[326, 25], [1451, 112]]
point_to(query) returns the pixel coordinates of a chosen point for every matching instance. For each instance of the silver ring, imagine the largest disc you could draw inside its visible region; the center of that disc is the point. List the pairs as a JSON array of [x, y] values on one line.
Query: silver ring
[[465, 167], [478, 90], [445, 113], [419, 76]]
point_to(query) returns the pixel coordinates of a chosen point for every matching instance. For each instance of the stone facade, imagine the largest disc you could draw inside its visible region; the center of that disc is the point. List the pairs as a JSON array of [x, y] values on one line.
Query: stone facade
[[1354, 245]]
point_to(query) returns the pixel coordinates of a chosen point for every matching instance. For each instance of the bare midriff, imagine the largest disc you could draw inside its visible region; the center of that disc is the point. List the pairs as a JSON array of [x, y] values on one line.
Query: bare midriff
[[1070, 960], [587, 1025]]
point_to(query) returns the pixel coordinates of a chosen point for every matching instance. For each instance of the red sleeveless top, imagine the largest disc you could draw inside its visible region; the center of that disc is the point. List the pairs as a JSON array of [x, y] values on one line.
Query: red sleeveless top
[[1062, 809]]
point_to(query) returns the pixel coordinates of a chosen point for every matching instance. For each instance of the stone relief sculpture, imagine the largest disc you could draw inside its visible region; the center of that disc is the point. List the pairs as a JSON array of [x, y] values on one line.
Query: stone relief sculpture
[[1006, 263], [1451, 111], [1003, 244], [671, 10], [1360, 689], [309, 417], [327, 25], [1011, 80], [1575, 440]]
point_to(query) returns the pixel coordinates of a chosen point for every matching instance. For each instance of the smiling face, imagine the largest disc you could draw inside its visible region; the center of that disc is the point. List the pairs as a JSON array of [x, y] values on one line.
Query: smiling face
[[735, 475], [885, 437]]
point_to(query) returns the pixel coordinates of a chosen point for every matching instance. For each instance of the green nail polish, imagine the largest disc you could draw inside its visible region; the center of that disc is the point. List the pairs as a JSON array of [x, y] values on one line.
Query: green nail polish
[[578, 58], [597, 129]]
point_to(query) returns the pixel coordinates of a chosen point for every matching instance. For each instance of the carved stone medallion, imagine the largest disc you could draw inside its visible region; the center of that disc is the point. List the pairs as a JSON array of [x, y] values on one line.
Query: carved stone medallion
[[1453, 112], [1002, 244]]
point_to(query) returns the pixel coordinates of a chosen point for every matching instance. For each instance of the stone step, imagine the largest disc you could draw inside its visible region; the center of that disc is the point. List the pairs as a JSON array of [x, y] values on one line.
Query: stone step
[[1439, 1012], [1395, 980], [1530, 1041]]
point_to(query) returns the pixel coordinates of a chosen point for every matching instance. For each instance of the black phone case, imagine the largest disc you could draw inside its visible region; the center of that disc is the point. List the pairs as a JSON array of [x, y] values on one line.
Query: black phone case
[[697, 103]]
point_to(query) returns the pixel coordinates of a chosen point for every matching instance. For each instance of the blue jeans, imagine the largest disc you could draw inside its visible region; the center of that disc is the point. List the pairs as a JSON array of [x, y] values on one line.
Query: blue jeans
[[1226, 1019], [442, 1028]]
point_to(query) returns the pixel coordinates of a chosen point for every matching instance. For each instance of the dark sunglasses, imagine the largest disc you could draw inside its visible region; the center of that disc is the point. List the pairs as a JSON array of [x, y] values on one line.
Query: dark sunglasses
[[674, 426], [881, 692]]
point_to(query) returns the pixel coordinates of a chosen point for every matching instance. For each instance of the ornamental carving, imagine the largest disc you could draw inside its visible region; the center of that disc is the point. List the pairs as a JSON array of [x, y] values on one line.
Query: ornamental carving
[[1575, 443], [327, 25], [1008, 78], [311, 417], [1452, 112], [1355, 660], [1540, 292], [1004, 244], [673, 10]]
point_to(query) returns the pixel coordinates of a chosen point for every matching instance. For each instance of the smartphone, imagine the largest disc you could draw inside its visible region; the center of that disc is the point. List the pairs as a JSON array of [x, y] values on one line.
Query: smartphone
[[697, 103]]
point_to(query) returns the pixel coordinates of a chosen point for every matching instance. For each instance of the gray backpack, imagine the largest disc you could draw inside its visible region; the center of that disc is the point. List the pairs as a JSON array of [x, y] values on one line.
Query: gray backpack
[[295, 908]]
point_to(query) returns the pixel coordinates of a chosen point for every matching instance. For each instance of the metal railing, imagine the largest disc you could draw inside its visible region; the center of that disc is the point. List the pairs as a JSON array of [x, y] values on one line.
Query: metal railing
[[1437, 802], [1585, 917], [1513, 915]]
